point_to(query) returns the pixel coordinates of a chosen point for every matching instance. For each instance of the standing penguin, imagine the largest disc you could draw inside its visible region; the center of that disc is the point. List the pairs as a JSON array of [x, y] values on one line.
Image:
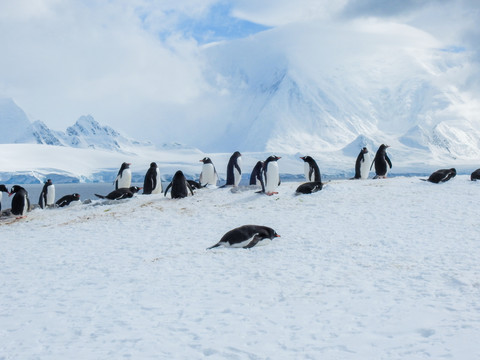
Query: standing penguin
[[382, 162], [475, 175], [271, 175], [124, 177], [209, 175], [179, 185], [234, 171], [256, 177], [47, 196], [153, 182], [3, 189], [20, 201], [67, 199], [361, 165], [312, 172], [441, 175]]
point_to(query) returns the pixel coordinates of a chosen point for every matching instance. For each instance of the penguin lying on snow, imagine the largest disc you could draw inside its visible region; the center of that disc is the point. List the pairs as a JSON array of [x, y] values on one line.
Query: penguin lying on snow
[[122, 193], [3, 189], [309, 187], [67, 199], [475, 175], [179, 185], [246, 236], [382, 162], [441, 175], [20, 201]]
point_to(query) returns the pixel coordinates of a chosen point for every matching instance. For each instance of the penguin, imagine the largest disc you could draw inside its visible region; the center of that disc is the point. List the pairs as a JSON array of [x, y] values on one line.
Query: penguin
[[122, 193], [67, 199], [246, 236], [209, 175], [361, 165], [441, 175], [271, 175], [312, 172], [256, 177], [153, 182], [20, 201], [47, 196], [475, 175], [382, 162], [124, 177], [309, 187], [3, 189], [234, 171], [179, 185], [195, 184]]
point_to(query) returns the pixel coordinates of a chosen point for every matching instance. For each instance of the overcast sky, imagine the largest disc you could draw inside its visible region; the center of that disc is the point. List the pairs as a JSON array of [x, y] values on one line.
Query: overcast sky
[[123, 60]]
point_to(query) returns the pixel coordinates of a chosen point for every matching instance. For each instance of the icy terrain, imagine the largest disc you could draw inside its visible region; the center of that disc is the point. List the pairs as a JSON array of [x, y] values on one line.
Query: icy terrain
[[374, 269]]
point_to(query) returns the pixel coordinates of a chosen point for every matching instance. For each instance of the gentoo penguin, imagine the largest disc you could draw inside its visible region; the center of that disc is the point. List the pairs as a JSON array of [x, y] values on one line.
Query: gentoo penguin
[[179, 185], [309, 187], [122, 193], [47, 196], [256, 177], [195, 184], [362, 168], [124, 177], [475, 175], [20, 201], [271, 175], [312, 172], [234, 171], [209, 175], [382, 162], [153, 182], [441, 175], [3, 189], [246, 236], [67, 199]]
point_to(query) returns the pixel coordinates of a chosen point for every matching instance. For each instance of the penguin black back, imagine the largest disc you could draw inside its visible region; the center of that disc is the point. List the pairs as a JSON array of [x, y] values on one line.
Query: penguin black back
[[442, 175], [232, 167], [179, 185], [246, 236], [309, 187], [150, 181], [475, 175], [20, 201], [314, 171], [361, 158], [256, 174], [381, 161], [122, 193], [67, 199], [3, 188]]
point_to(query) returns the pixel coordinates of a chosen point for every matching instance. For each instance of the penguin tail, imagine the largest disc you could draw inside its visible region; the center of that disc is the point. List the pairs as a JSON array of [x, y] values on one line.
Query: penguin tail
[[423, 179], [100, 196], [214, 246]]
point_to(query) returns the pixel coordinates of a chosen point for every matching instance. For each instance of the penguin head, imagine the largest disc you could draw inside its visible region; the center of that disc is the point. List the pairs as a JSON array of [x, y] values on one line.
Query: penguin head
[[206, 160], [178, 175], [76, 196], [273, 158], [15, 189], [3, 188], [153, 165], [49, 182], [307, 159], [135, 189], [364, 150], [272, 233], [453, 171], [236, 154], [125, 165]]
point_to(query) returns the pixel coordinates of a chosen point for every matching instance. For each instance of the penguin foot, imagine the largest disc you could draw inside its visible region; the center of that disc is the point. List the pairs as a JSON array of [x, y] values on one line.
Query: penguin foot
[[272, 193]]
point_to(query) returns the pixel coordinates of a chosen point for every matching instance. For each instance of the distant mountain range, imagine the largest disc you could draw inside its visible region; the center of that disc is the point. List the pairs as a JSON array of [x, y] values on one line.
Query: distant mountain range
[[85, 133]]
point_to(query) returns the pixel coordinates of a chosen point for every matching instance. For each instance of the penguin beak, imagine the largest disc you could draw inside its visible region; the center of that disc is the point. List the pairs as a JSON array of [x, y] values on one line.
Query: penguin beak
[[276, 235], [302, 157], [10, 194]]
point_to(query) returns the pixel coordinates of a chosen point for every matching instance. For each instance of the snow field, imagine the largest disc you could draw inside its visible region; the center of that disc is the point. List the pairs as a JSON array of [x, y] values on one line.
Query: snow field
[[375, 269]]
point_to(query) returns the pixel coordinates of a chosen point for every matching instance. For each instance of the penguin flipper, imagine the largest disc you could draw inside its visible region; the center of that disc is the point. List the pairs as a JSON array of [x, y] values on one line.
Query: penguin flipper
[[388, 161], [100, 196], [166, 190], [254, 242]]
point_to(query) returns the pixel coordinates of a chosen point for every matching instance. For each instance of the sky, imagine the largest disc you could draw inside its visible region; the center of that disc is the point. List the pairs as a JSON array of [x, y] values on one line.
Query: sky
[[126, 61]]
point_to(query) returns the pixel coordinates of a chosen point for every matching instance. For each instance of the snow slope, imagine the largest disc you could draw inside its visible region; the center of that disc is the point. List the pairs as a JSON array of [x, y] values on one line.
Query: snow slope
[[375, 269]]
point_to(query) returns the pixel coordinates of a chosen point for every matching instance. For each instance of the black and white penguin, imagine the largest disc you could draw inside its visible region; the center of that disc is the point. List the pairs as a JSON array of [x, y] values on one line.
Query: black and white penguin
[[311, 170], [441, 175], [382, 162], [271, 175], [47, 196], [122, 193], [153, 182], [209, 175], [124, 177], [256, 177], [234, 171], [309, 187], [67, 199], [246, 236], [195, 184], [20, 201], [362, 168], [179, 185], [475, 175], [3, 189]]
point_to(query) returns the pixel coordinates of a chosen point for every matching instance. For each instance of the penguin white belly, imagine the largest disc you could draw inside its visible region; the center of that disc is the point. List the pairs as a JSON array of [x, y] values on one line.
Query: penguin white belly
[[241, 244], [125, 180], [158, 188], [208, 176], [50, 195], [25, 205], [306, 170], [236, 174], [272, 177], [365, 167]]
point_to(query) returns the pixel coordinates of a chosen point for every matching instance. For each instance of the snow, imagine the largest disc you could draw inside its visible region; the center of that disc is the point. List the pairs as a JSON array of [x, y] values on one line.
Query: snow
[[374, 269]]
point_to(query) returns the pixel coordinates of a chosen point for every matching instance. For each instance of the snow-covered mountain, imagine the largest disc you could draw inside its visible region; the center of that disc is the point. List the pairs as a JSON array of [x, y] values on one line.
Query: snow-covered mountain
[[85, 133]]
